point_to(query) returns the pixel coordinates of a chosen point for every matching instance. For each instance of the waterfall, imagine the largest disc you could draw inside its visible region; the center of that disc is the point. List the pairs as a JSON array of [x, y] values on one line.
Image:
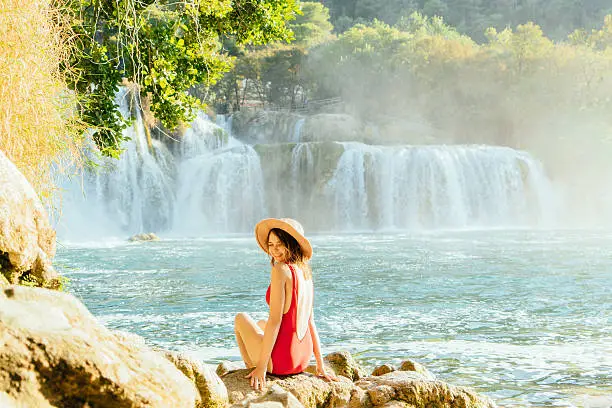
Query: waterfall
[[346, 191], [225, 123], [202, 137], [296, 136], [302, 171], [437, 186], [133, 194], [213, 183], [220, 192]]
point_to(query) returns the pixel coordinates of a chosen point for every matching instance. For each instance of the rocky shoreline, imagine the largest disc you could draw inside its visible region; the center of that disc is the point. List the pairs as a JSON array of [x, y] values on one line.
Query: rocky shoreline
[[56, 354]]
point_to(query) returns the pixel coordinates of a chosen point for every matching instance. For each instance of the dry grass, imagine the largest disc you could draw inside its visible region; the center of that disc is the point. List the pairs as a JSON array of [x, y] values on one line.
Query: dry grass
[[37, 129]]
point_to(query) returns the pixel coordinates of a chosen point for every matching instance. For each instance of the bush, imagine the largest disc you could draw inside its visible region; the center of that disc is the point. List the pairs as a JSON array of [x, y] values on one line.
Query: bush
[[37, 128]]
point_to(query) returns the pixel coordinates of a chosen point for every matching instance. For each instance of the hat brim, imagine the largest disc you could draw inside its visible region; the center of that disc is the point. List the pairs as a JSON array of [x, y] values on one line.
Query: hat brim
[[263, 228]]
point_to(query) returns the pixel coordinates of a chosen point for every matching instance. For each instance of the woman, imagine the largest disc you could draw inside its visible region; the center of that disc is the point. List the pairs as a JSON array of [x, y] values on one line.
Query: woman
[[283, 344]]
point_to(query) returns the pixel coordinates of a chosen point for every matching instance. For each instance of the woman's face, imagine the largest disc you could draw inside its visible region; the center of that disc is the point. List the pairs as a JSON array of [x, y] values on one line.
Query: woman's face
[[276, 248]]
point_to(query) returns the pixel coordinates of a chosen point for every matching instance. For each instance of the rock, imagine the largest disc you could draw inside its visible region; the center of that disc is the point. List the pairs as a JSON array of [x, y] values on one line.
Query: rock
[[228, 366], [383, 369], [143, 237], [415, 390], [55, 353], [236, 396], [266, 404], [311, 391], [128, 337], [395, 389], [3, 282], [317, 162], [409, 365], [381, 394], [359, 398], [212, 390], [6, 401], [397, 404], [27, 241], [275, 397], [312, 369], [343, 364]]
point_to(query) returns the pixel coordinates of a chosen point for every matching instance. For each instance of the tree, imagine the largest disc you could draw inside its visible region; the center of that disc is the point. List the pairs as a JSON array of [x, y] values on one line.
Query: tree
[[274, 74], [312, 26], [471, 17], [165, 48]]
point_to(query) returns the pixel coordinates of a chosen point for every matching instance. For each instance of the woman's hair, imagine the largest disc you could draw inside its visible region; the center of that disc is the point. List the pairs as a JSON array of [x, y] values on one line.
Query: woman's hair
[[295, 254]]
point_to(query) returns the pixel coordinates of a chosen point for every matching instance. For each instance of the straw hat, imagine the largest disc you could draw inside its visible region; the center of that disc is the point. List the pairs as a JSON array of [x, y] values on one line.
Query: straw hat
[[290, 226]]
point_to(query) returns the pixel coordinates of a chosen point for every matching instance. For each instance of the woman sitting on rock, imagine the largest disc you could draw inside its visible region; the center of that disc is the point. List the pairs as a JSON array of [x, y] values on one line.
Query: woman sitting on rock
[[284, 343]]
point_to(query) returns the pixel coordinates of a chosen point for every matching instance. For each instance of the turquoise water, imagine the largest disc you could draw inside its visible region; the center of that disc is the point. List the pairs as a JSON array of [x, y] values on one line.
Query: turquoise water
[[522, 316]]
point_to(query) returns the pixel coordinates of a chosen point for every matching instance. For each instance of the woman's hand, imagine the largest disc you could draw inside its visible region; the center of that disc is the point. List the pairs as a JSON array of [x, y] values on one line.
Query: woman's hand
[[258, 378], [321, 372]]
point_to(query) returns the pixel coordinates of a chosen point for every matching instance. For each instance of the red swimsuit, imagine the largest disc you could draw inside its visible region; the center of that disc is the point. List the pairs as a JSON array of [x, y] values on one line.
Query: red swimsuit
[[290, 355]]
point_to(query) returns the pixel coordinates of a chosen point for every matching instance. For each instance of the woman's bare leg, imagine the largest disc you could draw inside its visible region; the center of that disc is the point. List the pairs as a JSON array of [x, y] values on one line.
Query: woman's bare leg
[[249, 336]]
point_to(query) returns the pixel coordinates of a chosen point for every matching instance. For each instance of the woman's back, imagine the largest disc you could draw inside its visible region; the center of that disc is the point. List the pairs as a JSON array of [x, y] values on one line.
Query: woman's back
[[293, 347]]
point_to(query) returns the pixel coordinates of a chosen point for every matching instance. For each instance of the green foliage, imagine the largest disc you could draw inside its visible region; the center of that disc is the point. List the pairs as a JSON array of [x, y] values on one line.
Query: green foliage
[[471, 17], [511, 88], [523, 46], [165, 48], [312, 26], [598, 39], [64, 284], [274, 75], [27, 279], [421, 25]]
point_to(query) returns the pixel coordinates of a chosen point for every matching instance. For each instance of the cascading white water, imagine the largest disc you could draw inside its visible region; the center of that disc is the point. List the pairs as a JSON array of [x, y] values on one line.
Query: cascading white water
[[296, 136], [437, 186], [134, 194], [302, 171], [220, 184], [225, 123], [202, 137], [214, 183], [346, 191], [220, 191]]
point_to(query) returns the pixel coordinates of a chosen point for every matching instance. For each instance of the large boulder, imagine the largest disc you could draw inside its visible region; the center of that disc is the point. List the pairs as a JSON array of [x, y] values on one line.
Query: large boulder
[[55, 353], [409, 365], [275, 397], [213, 393], [143, 237], [27, 241], [415, 390], [343, 364], [311, 391], [383, 369], [227, 366]]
